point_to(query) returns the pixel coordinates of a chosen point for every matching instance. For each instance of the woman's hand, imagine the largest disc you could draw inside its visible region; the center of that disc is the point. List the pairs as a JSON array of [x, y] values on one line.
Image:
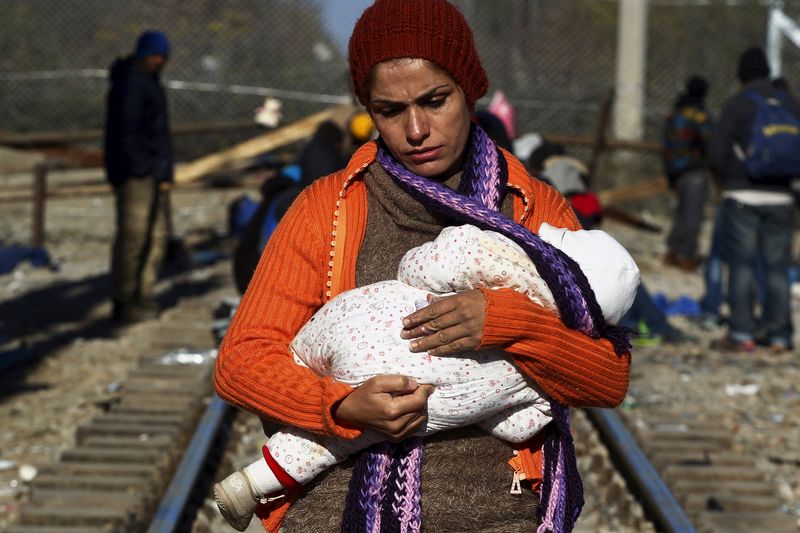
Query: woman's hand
[[448, 325], [393, 405]]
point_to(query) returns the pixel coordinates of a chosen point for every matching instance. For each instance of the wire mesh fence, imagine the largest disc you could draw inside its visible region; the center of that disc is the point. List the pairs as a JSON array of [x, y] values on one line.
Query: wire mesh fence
[[554, 59]]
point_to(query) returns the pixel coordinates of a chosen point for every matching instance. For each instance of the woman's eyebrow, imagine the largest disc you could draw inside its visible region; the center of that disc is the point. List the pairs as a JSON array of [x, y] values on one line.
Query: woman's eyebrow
[[424, 96]]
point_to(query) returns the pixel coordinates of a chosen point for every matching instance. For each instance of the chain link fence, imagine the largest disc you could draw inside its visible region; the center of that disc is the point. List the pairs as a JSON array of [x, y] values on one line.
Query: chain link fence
[[555, 60]]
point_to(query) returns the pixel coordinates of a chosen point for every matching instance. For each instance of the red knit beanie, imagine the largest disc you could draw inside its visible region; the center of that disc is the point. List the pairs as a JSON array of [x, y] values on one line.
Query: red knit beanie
[[428, 29]]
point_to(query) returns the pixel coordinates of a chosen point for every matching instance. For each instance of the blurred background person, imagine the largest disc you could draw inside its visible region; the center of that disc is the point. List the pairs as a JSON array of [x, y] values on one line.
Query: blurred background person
[[138, 162], [685, 134], [755, 152], [324, 154]]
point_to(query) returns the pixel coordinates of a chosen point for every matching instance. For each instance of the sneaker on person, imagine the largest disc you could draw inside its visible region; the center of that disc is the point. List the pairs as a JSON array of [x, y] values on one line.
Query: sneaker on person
[[236, 499], [642, 337], [775, 345], [133, 312], [676, 336], [707, 321], [646, 341], [727, 344], [779, 348]]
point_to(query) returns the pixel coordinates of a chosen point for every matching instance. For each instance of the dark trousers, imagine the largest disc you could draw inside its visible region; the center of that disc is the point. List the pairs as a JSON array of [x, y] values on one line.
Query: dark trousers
[[692, 190], [644, 309], [715, 266], [140, 242], [750, 234], [713, 271]]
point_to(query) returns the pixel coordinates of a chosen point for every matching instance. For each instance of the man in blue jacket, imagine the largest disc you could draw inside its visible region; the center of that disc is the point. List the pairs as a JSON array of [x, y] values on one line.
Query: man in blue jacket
[[757, 214], [138, 161]]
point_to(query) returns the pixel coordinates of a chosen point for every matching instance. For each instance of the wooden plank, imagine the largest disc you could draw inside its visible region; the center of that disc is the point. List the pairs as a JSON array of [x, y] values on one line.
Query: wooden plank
[[610, 144], [746, 522], [636, 191], [263, 143], [92, 517], [631, 219]]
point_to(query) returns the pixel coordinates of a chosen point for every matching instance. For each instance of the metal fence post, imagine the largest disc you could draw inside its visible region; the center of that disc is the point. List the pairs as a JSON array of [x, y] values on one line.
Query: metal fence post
[[39, 199]]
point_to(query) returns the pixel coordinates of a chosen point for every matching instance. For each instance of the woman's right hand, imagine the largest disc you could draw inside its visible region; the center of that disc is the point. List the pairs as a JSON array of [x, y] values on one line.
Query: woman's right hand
[[391, 404]]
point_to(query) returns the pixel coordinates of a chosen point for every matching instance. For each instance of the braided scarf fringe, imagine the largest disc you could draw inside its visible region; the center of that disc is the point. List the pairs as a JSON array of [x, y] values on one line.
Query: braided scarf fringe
[[384, 493], [478, 200]]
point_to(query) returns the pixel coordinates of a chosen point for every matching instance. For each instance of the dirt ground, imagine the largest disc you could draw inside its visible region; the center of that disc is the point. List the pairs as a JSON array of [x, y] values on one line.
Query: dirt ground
[[62, 316]]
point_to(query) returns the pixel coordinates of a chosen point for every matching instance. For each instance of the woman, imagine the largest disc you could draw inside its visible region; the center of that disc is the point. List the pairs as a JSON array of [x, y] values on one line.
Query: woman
[[415, 68]]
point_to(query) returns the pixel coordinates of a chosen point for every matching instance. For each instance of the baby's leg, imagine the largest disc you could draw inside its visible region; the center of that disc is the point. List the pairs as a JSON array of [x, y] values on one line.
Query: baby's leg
[[304, 455], [519, 423]]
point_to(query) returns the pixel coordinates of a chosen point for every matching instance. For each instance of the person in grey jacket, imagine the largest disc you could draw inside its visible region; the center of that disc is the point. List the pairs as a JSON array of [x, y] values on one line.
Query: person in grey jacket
[[138, 161], [757, 216]]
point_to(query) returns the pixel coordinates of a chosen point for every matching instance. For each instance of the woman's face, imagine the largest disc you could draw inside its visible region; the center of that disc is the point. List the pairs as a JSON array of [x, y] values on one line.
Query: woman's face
[[421, 115]]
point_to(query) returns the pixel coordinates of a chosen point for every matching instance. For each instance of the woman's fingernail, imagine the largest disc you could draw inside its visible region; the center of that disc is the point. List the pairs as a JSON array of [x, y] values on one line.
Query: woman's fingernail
[[406, 322], [414, 345], [404, 334]]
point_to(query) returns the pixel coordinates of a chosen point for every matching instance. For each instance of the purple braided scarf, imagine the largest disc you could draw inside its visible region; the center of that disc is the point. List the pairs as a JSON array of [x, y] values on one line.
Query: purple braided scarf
[[373, 507]]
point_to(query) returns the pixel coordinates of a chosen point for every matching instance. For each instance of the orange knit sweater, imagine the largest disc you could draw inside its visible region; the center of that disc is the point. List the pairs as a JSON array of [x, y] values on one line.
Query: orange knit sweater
[[311, 257]]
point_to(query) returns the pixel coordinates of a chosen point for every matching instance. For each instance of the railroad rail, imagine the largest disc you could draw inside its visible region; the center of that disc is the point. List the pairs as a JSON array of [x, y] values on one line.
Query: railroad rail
[[662, 476], [136, 465], [148, 462], [719, 488], [685, 476]]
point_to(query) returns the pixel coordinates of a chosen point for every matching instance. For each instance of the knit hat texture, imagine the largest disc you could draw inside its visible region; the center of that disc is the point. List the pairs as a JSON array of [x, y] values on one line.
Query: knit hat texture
[[428, 29], [753, 65], [151, 43]]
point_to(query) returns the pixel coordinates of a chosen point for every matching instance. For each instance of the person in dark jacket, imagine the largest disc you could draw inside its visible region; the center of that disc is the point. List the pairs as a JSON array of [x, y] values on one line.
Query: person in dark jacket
[[494, 127], [757, 215], [138, 161], [687, 129], [324, 153]]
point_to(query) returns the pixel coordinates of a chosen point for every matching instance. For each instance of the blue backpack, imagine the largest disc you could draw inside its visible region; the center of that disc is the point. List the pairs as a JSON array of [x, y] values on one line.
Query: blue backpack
[[774, 150]]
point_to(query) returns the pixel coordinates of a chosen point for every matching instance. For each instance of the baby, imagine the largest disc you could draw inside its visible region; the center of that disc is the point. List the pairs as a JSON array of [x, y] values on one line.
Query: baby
[[356, 336]]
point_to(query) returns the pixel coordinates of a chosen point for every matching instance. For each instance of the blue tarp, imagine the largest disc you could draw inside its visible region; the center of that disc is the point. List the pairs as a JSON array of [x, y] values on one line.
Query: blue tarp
[[682, 305], [11, 256]]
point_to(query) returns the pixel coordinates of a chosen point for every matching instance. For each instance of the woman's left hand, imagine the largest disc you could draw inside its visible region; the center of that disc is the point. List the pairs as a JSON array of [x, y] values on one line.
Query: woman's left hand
[[448, 325]]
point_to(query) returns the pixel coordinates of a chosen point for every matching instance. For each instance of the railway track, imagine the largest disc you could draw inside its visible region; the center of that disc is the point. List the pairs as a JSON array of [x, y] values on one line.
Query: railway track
[[147, 463], [719, 488], [136, 466], [667, 475]]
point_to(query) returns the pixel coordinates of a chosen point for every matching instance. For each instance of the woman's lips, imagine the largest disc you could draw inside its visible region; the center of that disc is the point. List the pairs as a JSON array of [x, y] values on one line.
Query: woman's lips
[[425, 156]]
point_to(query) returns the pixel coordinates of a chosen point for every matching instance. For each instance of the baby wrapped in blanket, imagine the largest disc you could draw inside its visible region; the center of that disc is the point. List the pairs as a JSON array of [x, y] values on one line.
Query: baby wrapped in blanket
[[356, 336]]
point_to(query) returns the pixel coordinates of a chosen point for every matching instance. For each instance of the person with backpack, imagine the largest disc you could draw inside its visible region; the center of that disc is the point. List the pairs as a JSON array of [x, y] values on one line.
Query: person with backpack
[[686, 131], [755, 152]]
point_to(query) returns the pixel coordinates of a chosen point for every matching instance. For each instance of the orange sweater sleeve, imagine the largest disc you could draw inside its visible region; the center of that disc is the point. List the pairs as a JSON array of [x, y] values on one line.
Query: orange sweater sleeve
[[254, 368], [570, 366]]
